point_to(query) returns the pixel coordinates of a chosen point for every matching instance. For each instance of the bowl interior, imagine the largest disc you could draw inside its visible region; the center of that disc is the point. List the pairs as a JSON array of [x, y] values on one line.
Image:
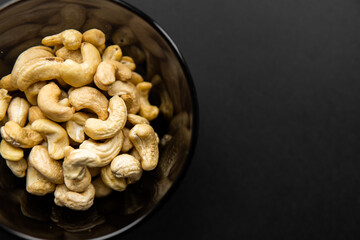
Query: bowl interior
[[23, 24]]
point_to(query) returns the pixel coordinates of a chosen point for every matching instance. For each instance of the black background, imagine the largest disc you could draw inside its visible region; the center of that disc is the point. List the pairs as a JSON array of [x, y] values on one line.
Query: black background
[[278, 152]]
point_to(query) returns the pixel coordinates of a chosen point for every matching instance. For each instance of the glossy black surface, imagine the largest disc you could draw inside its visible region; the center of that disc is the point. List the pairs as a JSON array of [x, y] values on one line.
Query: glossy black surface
[[23, 24]]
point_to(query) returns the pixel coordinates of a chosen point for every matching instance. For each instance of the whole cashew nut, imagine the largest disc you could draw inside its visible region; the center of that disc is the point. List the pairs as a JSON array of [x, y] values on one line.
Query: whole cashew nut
[[108, 71], [136, 119], [37, 184], [4, 102], [126, 166], [112, 52], [74, 200], [6, 83], [147, 110], [32, 92], [19, 136], [136, 78], [99, 129], [120, 88], [96, 38], [79, 185], [89, 98], [70, 38], [18, 111], [18, 168], [108, 177], [55, 135], [9, 152], [48, 101], [144, 140]]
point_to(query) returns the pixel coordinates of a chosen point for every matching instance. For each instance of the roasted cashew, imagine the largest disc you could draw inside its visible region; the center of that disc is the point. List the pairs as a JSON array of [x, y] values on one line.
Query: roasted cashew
[[51, 169], [18, 168], [136, 78], [126, 166], [65, 53], [147, 110], [35, 113], [32, 92], [6, 83], [96, 38], [19, 136], [48, 101], [166, 106], [101, 189], [120, 88], [75, 126], [108, 177], [128, 62], [70, 38], [108, 71], [145, 141], [9, 152], [37, 184], [136, 119], [97, 22], [79, 185], [73, 200], [89, 98], [108, 150], [4, 102], [112, 52], [56, 137], [18, 111], [135, 154], [98, 129], [127, 145]]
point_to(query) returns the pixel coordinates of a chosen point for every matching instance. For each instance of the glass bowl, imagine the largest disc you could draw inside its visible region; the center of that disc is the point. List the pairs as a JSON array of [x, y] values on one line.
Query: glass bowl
[[23, 24]]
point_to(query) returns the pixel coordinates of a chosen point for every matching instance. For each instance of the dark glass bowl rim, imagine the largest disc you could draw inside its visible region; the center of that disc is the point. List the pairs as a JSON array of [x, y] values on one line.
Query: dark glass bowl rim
[[195, 120]]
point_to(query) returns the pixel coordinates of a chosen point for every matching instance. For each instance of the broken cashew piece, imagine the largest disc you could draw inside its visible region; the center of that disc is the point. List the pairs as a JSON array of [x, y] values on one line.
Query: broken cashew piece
[[74, 200], [112, 52], [4, 102], [126, 166], [18, 168], [18, 136], [96, 38], [48, 101], [109, 71], [144, 140], [55, 135], [71, 39], [32, 92], [98, 129], [9, 152], [147, 110], [75, 126], [37, 184], [65, 53], [128, 62], [109, 179], [18, 111]]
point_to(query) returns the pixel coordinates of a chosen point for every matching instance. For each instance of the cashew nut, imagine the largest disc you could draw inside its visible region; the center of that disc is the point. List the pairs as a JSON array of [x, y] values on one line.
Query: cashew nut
[[145, 141], [135, 154], [75, 126], [9, 152], [56, 136], [48, 101], [6, 83], [136, 119], [74, 200], [32, 92], [65, 53], [51, 169], [18, 168], [127, 145], [79, 185], [136, 78], [112, 52], [107, 176], [99, 129], [147, 110], [101, 189], [35, 113], [120, 88], [70, 38], [18, 111], [126, 166], [96, 38], [89, 98], [128, 62], [4, 102], [19, 136], [107, 150], [37, 184], [108, 71]]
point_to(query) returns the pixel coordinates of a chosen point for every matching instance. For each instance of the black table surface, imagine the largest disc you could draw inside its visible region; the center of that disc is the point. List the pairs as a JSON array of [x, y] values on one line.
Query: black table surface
[[278, 153]]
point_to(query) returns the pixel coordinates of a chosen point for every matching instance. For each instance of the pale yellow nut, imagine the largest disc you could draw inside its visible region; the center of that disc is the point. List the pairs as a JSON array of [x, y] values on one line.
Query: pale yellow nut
[[109, 71], [37, 184], [48, 102], [75, 131], [70, 38], [107, 150], [101, 189], [65, 53], [18, 168], [136, 78], [136, 119], [79, 185], [32, 92], [145, 141], [126, 166], [89, 98], [120, 88], [107, 176], [18, 110], [128, 62], [127, 144], [74, 200], [81, 117], [51, 169], [135, 154], [98, 129], [35, 113], [96, 38], [6, 83], [9, 152], [112, 52], [19, 136], [147, 110], [4, 102], [55, 135]]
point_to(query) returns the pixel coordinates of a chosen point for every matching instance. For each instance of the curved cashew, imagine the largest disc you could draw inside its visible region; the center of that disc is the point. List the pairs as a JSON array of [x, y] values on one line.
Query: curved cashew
[[127, 145], [128, 62], [37, 184], [112, 52], [101, 189], [136, 78], [89, 98], [19, 136], [6, 83], [35, 113], [39, 159], [65, 53], [73, 200], [108, 71], [4, 102], [48, 101], [107, 150], [70, 38], [166, 106], [136, 119], [56, 136], [79, 185], [96, 38], [147, 110], [9, 152], [126, 166], [120, 88], [32, 92], [145, 141], [99, 129], [107, 176], [18, 111], [18, 168]]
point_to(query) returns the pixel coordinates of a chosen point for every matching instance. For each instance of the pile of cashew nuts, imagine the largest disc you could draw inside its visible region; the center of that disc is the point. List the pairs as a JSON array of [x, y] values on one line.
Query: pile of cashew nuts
[[75, 119]]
